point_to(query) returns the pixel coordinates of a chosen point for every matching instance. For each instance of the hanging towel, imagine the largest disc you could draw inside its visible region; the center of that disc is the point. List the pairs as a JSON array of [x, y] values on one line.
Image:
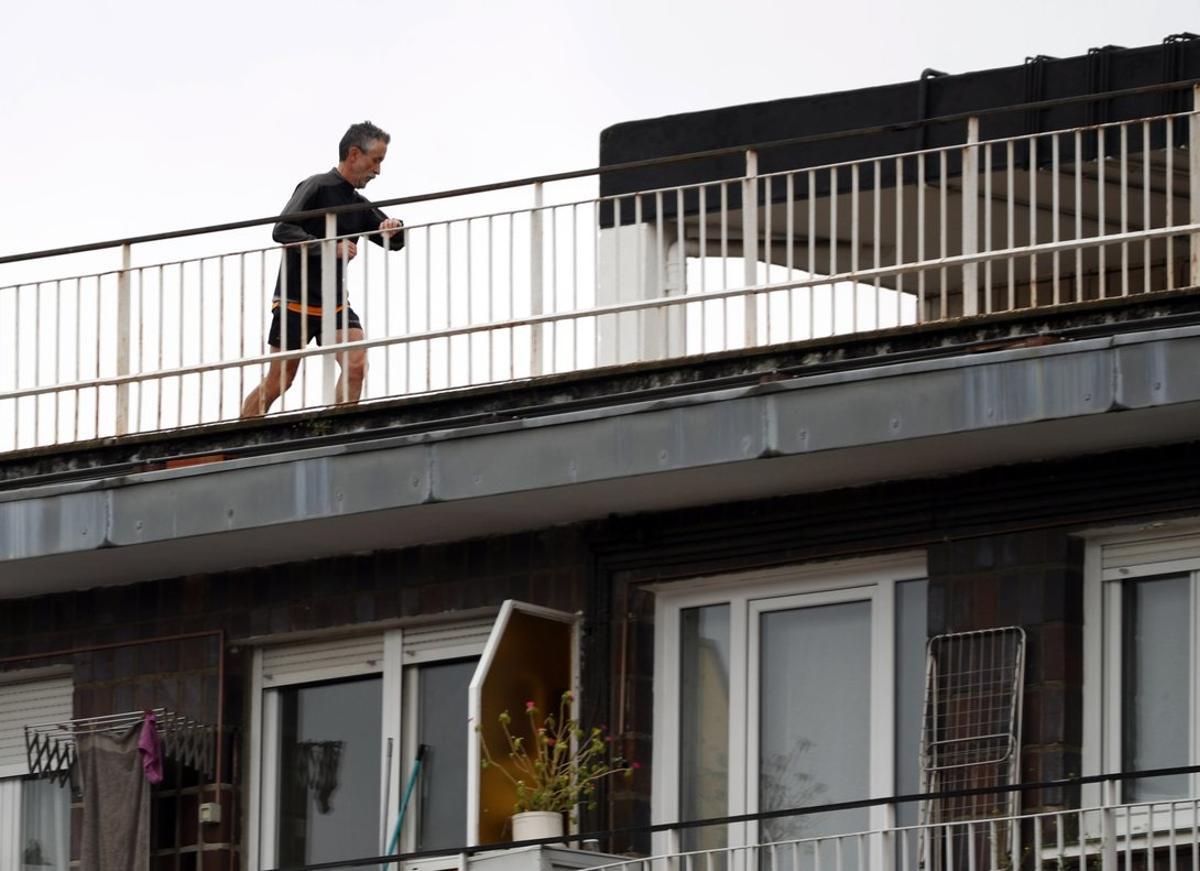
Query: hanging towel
[[150, 746], [116, 802]]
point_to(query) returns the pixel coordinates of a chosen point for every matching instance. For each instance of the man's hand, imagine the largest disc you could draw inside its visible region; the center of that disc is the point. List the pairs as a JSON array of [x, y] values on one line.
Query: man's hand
[[346, 250], [387, 226]]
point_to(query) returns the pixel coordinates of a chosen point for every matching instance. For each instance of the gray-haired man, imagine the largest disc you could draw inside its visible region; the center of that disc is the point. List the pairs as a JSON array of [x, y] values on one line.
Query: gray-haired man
[[296, 309]]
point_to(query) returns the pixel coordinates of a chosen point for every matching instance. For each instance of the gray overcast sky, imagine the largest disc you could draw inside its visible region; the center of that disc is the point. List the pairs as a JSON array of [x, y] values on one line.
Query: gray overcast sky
[[123, 118]]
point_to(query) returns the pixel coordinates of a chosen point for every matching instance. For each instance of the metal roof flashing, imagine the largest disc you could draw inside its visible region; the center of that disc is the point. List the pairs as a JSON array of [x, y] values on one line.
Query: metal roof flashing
[[827, 430]]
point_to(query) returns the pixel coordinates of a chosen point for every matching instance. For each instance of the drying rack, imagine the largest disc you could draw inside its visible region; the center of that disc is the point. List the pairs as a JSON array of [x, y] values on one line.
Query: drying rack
[[52, 753]]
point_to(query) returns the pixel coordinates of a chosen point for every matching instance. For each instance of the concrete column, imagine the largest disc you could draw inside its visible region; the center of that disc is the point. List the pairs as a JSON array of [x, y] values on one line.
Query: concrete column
[[630, 270]]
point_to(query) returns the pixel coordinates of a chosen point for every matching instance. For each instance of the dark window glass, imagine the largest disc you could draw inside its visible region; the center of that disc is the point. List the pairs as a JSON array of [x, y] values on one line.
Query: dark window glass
[[329, 771], [1156, 674], [442, 714]]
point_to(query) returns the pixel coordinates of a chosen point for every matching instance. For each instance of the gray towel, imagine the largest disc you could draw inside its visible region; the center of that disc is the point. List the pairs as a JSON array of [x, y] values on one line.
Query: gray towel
[[116, 803]]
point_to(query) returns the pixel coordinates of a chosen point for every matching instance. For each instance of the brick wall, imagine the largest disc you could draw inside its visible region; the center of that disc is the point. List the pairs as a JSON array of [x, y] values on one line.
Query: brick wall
[[1033, 580], [992, 561], [544, 567]]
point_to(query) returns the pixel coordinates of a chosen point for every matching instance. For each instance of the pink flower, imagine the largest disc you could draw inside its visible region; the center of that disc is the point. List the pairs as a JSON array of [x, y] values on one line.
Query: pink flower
[[529, 705], [635, 765]]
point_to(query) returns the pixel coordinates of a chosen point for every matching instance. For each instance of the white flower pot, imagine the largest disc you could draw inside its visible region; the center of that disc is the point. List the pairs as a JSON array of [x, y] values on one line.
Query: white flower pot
[[537, 824]]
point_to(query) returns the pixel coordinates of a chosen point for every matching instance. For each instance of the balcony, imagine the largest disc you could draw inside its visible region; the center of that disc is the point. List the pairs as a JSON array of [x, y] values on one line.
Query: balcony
[[1107, 834], [172, 335]]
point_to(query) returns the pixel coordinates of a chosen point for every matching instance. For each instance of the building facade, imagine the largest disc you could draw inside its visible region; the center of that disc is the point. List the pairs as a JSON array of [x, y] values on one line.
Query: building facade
[[756, 549]]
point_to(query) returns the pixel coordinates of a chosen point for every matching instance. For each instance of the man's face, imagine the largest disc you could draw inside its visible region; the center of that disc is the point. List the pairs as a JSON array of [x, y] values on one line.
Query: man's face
[[362, 166]]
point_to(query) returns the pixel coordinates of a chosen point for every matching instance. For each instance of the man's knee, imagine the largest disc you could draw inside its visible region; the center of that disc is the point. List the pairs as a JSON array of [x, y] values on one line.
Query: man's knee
[[282, 374], [353, 363], [290, 368], [356, 365]]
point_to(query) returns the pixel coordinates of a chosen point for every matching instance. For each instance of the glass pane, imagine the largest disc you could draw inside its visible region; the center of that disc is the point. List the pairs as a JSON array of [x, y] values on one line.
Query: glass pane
[[704, 723], [329, 771], [45, 826], [1155, 676], [814, 716], [442, 714]]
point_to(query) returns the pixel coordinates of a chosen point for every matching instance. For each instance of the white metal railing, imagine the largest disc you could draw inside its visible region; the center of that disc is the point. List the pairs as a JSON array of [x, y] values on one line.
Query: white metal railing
[[982, 227], [1108, 838]]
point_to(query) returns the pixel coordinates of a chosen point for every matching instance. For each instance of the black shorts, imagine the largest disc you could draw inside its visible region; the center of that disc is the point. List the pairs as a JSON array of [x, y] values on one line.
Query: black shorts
[[301, 329]]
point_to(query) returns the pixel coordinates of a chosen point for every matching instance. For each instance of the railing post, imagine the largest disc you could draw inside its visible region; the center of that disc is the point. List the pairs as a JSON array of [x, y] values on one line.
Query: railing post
[[1108, 826], [124, 331], [1194, 186], [970, 217], [883, 842], [750, 244], [536, 279], [674, 849], [329, 267]]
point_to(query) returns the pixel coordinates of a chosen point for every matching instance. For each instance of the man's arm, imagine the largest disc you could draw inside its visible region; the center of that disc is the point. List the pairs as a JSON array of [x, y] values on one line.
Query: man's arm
[[391, 235], [291, 234]]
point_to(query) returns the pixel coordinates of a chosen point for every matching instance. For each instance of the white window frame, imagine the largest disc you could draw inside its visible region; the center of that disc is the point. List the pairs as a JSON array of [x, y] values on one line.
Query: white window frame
[[444, 643], [13, 777], [411, 726], [1102, 634], [747, 593]]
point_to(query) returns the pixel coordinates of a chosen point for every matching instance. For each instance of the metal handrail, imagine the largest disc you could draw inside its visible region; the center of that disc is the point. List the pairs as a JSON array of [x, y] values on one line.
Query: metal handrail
[[708, 154], [863, 275], [655, 828]]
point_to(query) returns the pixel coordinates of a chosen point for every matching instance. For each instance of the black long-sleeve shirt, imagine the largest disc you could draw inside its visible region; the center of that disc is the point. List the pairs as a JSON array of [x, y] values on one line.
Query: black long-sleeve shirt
[[321, 191]]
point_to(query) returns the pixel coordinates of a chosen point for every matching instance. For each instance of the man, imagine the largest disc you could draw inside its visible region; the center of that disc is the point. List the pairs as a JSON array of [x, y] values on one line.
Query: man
[[296, 312]]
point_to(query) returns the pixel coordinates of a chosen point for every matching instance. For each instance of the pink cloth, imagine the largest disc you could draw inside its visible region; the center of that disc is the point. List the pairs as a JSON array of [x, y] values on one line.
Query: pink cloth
[[151, 749]]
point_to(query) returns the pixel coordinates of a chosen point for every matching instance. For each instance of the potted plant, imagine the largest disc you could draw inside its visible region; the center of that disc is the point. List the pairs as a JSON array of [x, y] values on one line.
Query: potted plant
[[555, 770]]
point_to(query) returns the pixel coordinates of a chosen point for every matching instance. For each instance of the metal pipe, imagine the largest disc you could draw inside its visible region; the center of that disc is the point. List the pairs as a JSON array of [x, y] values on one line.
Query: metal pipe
[[537, 276], [750, 245]]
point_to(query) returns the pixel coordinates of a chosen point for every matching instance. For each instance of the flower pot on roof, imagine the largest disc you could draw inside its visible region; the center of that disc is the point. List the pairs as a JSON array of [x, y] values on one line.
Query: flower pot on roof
[[531, 825], [553, 770]]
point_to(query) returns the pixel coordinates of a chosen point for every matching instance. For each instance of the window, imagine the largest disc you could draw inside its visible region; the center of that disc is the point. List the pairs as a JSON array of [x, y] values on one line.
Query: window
[[789, 687], [439, 723], [328, 737], [338, 726], [1142, 681], [330, 717], [34, 812]]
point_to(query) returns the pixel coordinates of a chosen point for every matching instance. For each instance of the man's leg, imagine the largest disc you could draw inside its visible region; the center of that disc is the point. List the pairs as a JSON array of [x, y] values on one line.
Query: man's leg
[[280, 375], [353, 365]]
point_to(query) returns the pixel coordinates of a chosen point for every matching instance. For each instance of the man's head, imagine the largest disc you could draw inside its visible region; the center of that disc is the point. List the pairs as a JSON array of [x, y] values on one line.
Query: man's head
[[361, 153]]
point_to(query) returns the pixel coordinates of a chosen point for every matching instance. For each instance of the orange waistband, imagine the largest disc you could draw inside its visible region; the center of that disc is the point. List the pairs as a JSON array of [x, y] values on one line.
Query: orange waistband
[[312, 310]]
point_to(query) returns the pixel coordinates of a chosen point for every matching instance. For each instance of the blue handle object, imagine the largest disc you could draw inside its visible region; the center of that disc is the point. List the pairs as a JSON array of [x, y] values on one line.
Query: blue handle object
[[408, 791]]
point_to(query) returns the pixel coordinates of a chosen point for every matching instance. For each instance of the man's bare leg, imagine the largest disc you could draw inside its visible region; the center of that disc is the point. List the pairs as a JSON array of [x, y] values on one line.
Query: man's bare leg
[[353, 365], [280, 375]]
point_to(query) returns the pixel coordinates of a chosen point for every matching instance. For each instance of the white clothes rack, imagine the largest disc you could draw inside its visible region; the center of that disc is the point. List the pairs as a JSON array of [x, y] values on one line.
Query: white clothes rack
[[52, 752]]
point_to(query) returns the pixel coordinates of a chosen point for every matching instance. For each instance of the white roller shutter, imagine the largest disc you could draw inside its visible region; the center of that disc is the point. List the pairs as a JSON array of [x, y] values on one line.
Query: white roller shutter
[[427, 643], [1164, 548], [322, 660], [29, 702]]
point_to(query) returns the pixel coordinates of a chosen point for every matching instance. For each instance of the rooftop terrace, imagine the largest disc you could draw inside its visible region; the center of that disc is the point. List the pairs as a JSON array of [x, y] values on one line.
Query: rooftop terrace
[[491, 294]]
